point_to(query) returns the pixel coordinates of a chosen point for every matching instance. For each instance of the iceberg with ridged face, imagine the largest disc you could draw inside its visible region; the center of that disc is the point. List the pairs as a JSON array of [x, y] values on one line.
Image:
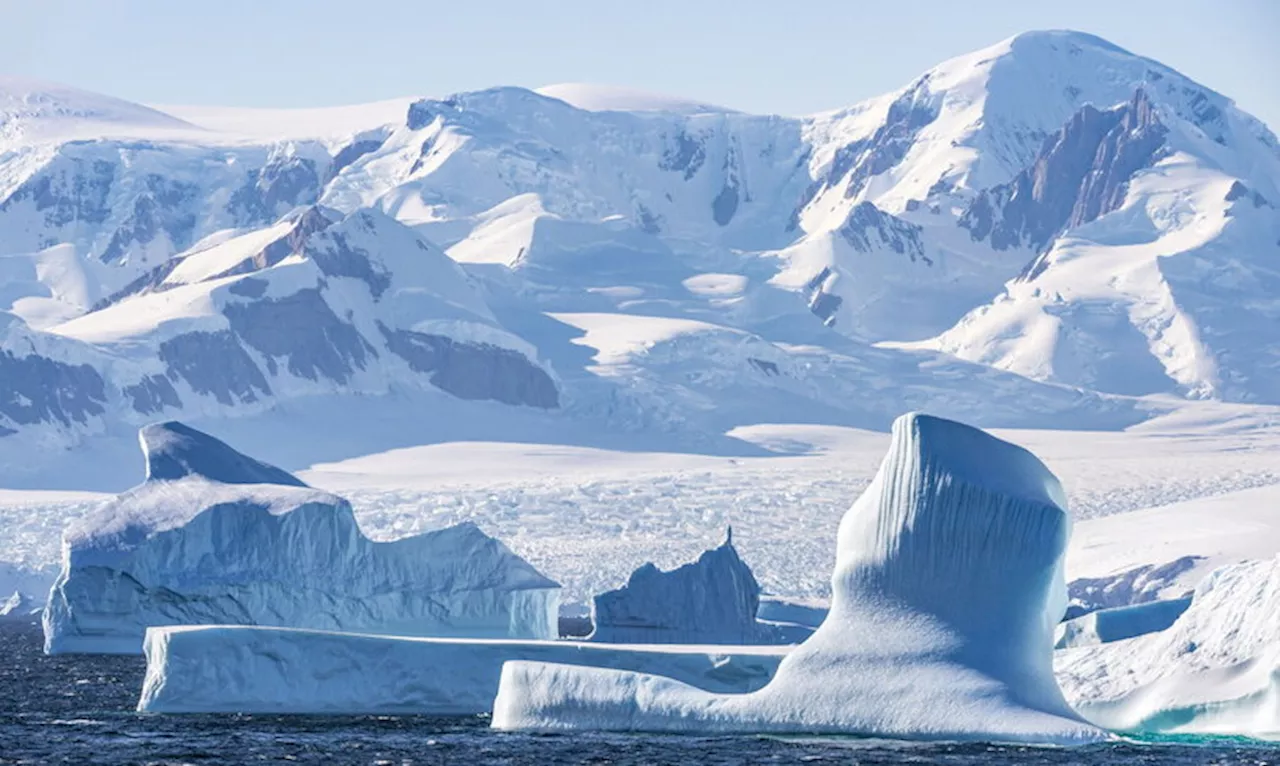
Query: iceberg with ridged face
[[216, 537], [947, 587]]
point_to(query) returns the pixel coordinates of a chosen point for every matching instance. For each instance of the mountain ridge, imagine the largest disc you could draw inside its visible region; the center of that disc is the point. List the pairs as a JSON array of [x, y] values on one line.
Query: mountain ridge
[[684, 271]]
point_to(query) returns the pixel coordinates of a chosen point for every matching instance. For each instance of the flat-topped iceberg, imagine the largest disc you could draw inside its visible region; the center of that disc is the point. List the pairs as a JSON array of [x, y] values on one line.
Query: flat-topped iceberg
[[947, 588], [215, 537], [713, 600], [1119, 623], [1216, 670], [220, 669]]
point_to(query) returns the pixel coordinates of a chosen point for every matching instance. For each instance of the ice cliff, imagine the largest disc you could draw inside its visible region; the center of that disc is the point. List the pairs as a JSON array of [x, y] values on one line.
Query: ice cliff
[[947, 588], [713, 600], [215, 537]]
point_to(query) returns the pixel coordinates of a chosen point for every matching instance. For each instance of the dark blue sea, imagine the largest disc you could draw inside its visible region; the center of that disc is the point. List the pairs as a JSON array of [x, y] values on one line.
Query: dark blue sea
[[79, 710]]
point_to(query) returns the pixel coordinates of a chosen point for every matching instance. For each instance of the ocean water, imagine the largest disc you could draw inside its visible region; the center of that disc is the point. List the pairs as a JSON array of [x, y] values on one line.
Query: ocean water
[[79, 710]]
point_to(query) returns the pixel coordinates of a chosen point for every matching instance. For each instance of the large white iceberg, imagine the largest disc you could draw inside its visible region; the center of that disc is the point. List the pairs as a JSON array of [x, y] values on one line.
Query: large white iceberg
[[713, 600], [1216, 670], [206, 669], [214, 537], [947, 587]]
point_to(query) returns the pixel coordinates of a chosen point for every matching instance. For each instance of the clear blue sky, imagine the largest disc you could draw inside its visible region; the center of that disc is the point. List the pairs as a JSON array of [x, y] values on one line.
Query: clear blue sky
[[785, 57]]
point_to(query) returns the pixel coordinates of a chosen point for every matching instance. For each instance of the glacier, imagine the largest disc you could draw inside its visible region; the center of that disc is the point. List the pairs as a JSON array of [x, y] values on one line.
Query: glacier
[[213, 536], [224, 669], [947, 587], [714, 600], [1214, 671]]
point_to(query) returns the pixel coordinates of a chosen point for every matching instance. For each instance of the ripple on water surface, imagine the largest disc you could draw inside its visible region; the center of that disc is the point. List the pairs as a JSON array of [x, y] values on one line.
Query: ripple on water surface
[[79, 709]]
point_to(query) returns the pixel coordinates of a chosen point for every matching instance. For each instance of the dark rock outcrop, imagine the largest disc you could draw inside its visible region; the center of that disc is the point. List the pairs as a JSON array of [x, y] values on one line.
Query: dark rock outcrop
[[35, 389], [474, 370], [303, 330], [1081, 174]]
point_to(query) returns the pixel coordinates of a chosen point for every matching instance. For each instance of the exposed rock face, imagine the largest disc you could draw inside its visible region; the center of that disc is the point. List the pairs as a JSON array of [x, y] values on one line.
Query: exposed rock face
[[858, 162], [35, 389], [216, 537], [283, 183], [152, 394], [1081, 174], [165, 207], [303, 330], [868, 227], [711, 601], [214, 364], [474, 370]]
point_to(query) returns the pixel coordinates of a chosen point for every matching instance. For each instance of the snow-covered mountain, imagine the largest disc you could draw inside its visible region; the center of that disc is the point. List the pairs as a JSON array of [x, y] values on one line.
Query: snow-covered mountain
[[1031, 234]]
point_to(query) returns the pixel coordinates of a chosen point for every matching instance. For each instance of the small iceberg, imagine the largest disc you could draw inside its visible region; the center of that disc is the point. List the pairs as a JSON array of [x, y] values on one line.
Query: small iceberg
[[1119, 623], [714, 600], [947, 588], [18, 608], [215, 537]]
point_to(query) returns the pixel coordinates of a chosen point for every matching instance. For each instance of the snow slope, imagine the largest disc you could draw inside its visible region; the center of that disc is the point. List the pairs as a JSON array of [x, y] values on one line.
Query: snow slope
[[821, 269], [947, 586], [213, 536]]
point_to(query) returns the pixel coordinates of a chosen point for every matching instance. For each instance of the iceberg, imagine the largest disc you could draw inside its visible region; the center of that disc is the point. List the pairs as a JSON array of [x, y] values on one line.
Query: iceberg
[[18, 608], [1216, 670], [1119, 623], [215, 537], [222, 669], [947, 587], [713, 600]]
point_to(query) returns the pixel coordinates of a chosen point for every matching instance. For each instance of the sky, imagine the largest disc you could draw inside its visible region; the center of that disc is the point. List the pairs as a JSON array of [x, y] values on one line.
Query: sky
[[789, 58]]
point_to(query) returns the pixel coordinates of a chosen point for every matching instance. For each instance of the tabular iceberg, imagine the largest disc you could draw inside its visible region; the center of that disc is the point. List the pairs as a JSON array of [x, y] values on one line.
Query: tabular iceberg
[[947, 587], [1216, 670], [713, 600], [212, 669], [1119, 623], [215, 537]]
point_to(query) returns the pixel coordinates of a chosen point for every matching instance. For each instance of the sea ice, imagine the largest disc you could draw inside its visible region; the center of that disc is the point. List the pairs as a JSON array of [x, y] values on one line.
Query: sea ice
[[947, 588], [215, 537]]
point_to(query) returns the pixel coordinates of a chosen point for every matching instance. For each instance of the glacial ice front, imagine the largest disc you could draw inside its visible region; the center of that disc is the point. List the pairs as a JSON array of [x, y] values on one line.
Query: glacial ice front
[[947, 587], [215, 537]]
